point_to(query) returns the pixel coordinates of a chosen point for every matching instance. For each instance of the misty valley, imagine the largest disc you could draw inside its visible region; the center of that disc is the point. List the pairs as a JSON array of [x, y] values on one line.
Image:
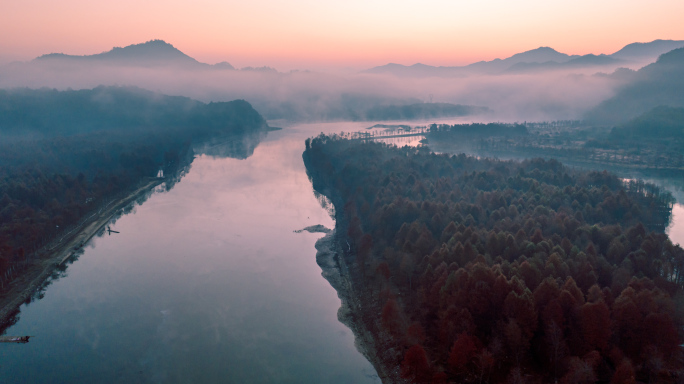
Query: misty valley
[[508, 221]]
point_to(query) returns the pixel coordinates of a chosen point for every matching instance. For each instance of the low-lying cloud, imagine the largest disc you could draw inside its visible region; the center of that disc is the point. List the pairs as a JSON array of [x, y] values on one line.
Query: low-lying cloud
[[314, 96]]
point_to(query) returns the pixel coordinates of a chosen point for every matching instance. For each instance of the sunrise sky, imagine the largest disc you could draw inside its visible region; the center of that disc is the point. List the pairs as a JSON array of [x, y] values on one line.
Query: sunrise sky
[[315, 34]]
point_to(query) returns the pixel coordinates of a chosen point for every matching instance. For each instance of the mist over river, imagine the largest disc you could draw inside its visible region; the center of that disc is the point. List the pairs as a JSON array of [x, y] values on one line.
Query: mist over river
[[207, 282], [204, 283]]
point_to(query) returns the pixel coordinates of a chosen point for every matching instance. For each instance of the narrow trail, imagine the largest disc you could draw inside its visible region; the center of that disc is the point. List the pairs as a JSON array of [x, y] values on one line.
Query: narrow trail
[[32, 278]]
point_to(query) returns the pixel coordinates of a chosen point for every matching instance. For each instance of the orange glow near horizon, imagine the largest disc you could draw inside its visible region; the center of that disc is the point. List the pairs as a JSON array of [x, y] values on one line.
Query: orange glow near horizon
[[334, 34]]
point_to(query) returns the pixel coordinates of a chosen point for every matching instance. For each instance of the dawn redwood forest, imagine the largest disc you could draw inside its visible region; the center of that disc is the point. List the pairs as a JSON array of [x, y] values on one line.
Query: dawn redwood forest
[[270, 192], [481, 270]]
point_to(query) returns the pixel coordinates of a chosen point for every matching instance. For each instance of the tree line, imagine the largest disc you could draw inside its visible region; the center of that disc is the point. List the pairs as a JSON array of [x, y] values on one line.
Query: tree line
[[65, 154], [488, 271]]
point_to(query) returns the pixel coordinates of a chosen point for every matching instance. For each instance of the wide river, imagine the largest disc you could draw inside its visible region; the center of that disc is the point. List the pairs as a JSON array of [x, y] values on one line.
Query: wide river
[[206, 283]]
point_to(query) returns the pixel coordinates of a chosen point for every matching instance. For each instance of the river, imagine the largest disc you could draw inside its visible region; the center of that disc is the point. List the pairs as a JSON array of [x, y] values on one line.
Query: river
[[204, 283]]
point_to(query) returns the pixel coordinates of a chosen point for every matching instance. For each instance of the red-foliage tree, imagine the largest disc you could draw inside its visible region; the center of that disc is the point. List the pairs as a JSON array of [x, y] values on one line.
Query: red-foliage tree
[[416, 366]]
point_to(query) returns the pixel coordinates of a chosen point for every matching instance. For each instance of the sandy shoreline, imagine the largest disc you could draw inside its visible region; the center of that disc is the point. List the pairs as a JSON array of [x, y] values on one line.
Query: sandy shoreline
[[351, 313], [24, 286]]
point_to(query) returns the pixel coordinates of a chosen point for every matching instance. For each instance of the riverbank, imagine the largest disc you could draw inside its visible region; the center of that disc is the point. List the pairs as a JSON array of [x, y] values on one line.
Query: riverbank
[[24, 286], [354, 309]]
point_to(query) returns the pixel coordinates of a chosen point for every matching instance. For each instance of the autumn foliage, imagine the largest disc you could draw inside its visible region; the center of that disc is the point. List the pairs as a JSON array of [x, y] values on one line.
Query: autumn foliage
[[491, 271]]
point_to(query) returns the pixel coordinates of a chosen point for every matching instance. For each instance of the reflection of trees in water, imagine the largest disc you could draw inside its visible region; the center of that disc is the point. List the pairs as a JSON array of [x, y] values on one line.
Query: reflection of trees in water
[[233, 146], [229, 146], [666, 180], [60, 270], [175, 168], [661, 202], [325, 203], [411, 141], [673, 184]]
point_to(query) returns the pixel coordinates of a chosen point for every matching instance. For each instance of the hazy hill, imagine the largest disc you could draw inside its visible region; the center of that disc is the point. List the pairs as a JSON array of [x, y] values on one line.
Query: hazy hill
[[660, 123], [542, 54], [585, 61], [539, 55], [48, 112], [660, 83], [540, 59], [150, 54], [360, 107], [536, 60], [640, 51], [417, 70]]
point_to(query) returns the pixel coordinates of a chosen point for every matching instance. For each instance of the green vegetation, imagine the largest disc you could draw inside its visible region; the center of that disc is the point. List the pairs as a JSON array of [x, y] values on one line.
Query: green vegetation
[[480, 270]]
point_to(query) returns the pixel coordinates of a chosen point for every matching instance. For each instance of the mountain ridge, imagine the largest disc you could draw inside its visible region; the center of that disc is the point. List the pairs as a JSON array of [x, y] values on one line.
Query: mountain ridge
[[538, 59], [657, 84], [653, 48], [151, 53]]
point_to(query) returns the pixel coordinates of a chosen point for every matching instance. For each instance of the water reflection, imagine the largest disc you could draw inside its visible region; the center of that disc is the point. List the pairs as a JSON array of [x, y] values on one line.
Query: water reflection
[[204, 283], [676, 228], [325, 203], [671, 183], [236, 147]]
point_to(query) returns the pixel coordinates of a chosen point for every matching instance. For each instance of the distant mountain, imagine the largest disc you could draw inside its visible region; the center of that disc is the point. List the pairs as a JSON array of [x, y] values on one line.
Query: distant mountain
[[154, 53], [260, 69], [540, 59], [640, 51], [586, 61], [539, 55], [660, 83], [223, 65], [417, 70]]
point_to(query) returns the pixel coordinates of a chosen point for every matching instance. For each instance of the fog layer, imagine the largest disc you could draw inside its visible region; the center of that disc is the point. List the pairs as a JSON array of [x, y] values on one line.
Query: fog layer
[[316, 96]]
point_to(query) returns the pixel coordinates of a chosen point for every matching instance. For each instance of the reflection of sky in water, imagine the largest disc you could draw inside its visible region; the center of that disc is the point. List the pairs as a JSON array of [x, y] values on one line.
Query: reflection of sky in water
[[676, 228], [205, 283], [411, 141]]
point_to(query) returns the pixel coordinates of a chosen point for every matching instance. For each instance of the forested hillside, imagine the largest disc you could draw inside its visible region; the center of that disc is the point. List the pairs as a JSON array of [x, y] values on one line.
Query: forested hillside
[[479, 270], [660, 83], [665, 124], [50, 113], [65, 154]]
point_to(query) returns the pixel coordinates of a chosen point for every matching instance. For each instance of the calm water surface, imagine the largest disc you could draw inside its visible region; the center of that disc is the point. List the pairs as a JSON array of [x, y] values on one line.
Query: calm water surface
[[205, 283], [676, 228]]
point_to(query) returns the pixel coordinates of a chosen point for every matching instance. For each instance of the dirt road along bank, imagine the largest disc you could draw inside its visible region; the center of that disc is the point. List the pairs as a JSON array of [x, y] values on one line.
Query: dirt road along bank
[[25, 285]]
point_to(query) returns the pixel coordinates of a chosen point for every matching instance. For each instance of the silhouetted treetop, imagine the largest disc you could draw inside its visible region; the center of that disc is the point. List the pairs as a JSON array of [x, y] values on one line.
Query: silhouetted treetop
[[481, 270]]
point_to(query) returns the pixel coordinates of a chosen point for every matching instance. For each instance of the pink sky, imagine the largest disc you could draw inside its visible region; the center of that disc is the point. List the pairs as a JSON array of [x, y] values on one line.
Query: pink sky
[[319, 34]]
